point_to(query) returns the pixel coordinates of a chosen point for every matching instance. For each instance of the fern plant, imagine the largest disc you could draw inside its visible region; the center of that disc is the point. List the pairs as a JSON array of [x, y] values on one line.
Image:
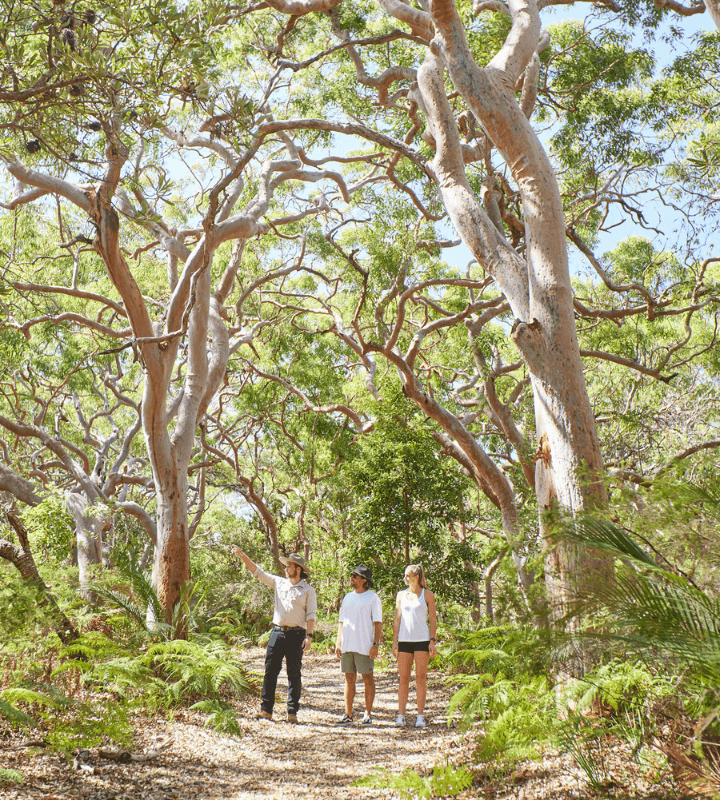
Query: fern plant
[[141, 603], [15, 716], [512, 651], [88, 724], [14, 696], [221, 717], [11, 776], [506, 691], [621, 686], [446, 781], [167, 672], [193, 669]]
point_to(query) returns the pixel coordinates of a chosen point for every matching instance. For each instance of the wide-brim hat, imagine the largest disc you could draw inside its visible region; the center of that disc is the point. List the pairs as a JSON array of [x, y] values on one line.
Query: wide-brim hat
[[363, 572], [295, 558]]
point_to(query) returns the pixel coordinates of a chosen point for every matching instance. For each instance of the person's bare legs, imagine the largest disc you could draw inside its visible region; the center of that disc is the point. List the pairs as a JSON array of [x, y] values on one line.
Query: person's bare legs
[[350, 678], [404, 666], [422, 659], [369, 681]]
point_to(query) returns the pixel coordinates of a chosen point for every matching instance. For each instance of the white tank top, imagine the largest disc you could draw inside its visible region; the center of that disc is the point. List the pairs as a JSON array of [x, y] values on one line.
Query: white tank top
[[413, 619]]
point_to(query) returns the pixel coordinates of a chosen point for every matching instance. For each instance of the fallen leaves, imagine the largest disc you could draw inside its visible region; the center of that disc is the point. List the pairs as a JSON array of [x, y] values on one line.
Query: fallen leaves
[[175, 757]]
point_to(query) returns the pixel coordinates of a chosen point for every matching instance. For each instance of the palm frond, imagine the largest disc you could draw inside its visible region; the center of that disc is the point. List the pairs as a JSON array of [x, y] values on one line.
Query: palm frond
[[648, 606], [141, 584], [601, 534]]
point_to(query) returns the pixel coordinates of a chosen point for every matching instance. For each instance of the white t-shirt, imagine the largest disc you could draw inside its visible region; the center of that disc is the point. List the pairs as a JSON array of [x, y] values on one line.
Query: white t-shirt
[[358, 613]]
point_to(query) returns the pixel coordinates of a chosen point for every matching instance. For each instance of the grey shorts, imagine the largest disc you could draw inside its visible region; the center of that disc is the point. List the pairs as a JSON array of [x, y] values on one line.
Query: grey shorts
[[356, 662]]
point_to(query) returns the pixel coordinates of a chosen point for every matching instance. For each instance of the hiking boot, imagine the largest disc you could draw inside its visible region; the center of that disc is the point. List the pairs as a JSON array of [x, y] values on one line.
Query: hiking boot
[[292, 719], [400, 721], [345, 720], [367, 719], [420, 721], [265, 715]]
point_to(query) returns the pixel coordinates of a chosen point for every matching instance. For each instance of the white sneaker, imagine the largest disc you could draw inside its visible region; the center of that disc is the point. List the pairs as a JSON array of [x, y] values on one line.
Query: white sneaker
[[400, 721], [367, 719], [420, 721]]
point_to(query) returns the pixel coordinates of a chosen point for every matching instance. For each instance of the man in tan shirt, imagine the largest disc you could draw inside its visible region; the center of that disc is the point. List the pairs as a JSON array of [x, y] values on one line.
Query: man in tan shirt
[[293, 625]]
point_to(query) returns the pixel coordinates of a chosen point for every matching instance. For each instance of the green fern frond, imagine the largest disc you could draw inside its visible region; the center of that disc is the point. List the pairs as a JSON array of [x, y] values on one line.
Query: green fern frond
[[19, 694], [221, 716], [15, 716], [122, 601], [127, 672], [92, 646], [448, 781], [603, 535], [444, 782], [649, 606], [208, 706], [11, 776], [71, 664]]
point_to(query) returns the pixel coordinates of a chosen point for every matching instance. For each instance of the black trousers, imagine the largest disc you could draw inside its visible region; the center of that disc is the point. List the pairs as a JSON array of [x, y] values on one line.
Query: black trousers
[[288, 645]]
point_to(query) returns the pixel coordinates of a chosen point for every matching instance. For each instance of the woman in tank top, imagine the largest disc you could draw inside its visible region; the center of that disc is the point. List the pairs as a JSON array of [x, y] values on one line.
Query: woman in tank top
[[414, 632]]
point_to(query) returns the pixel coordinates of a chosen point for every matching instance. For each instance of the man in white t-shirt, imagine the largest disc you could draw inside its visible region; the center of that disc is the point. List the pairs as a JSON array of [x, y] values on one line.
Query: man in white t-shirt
[[358, 640]]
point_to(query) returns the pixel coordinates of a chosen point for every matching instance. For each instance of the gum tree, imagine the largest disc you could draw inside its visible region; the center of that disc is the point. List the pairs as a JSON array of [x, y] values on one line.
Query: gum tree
[[93, 114]]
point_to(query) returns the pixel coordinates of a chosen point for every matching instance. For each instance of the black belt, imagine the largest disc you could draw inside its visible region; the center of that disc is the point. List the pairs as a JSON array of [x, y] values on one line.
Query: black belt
[[286, 628]]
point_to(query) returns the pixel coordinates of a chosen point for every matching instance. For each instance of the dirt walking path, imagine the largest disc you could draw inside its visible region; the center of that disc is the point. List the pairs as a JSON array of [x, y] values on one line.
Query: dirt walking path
[[320, 759], [269, 761]]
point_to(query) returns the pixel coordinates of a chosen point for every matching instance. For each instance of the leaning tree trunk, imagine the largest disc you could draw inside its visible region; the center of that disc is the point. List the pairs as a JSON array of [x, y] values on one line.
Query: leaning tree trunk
[[491, 480], [22, 559]]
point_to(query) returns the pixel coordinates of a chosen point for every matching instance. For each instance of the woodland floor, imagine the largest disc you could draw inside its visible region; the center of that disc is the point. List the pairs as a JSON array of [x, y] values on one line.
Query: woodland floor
[[314, 759]]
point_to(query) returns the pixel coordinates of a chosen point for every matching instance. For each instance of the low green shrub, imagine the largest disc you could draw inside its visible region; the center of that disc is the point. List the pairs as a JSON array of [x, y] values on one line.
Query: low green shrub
[[446, 781], [103, 681], [502, 686], [15, 696], [88, 724], [620, 685], [66, 723]]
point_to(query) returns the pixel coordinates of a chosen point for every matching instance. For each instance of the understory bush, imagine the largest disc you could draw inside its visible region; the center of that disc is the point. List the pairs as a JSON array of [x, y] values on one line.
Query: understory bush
[[502, 686], [505, 692], [163, 673], [67, 723], [98, 681]]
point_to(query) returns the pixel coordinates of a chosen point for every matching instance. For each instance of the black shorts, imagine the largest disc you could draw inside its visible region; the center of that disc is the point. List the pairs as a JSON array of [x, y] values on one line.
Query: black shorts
[[414, 647]]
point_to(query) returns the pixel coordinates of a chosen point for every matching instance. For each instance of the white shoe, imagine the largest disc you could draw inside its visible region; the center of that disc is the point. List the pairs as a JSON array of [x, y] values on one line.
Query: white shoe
[[420, 721], [400, 721]]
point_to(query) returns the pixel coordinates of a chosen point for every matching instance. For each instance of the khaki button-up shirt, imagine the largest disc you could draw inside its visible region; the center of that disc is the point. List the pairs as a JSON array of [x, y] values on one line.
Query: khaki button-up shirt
[[294, 605]]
